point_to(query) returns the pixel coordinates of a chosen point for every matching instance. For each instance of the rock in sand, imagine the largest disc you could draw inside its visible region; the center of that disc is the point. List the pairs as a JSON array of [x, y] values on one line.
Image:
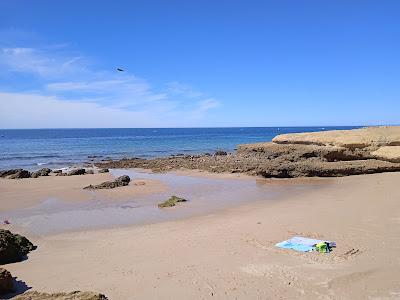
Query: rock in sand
[[20, 174], [6, 282], [41, 172], [118, 182], [76, 295], [76, 172], [13, 247], [171, 202]]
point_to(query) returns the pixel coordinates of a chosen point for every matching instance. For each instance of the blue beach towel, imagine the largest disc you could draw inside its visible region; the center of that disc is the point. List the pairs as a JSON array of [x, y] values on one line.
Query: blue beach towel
[[301, 244]]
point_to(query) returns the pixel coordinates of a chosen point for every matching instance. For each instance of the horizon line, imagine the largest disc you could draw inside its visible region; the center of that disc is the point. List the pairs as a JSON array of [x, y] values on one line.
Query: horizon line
[[205, 127]]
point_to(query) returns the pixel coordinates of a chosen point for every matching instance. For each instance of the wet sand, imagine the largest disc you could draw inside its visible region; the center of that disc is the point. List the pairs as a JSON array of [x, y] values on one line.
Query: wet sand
[[28, 192], [229, 253], [60, 204]]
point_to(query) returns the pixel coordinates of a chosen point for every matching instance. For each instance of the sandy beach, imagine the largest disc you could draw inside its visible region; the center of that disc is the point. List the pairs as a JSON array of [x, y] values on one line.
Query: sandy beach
[[230, 253], [179, 150]]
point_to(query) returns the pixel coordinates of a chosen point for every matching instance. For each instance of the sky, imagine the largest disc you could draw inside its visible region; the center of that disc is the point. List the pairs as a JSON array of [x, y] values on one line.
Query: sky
[[200, 63]]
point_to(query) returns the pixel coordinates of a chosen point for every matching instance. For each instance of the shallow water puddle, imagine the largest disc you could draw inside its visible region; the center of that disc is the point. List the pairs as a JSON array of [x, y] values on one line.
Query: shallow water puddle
[[205, 195]]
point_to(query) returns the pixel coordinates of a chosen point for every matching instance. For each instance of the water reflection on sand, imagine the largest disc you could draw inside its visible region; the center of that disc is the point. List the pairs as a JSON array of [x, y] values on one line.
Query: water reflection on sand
[[206, 194]]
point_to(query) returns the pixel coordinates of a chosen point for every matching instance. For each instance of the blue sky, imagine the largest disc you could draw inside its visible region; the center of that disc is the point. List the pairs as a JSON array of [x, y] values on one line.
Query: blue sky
[[199, 63]]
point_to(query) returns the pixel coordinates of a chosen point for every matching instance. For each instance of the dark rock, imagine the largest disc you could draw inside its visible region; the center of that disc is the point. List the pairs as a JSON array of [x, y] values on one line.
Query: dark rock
[[89, 172], [76, 295], [118, 182], [56, 171], [20, 174], [6, 282], [123, 178], [41, 172], [220, 152], [13, 247], [5, 173], [104, 171], [76, 172]]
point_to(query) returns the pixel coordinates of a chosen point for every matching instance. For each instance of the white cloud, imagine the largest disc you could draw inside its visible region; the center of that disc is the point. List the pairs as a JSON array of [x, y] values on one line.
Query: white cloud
[[20, 110], [207, 104], [177, 88], [37, 62], [71, 93]]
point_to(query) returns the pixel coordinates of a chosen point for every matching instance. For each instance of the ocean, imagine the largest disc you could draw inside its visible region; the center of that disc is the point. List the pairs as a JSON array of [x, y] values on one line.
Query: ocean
[[54, 148]]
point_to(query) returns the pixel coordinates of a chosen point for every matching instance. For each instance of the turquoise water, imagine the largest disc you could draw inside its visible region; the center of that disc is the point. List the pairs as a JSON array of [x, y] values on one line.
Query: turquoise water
[[36, 148]]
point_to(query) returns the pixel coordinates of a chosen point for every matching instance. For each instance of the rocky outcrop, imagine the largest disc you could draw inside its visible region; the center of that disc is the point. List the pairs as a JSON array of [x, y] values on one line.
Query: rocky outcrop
[[13, 247], [76, 295], [118, 182], [76, 172], [373, 137], [6, 282], [41, 172], [103, 171], [324, 154]]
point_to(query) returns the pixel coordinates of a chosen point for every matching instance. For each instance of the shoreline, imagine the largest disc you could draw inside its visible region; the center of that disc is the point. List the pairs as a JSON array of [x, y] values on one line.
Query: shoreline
[[333, 153], [231, 253]]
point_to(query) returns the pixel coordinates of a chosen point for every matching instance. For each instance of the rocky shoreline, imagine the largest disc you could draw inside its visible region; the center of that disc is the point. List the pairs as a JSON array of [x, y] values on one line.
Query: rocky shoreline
[[322, 154]]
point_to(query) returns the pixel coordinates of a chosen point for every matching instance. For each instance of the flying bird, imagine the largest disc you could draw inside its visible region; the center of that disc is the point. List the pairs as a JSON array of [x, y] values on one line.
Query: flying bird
[[120, 70]]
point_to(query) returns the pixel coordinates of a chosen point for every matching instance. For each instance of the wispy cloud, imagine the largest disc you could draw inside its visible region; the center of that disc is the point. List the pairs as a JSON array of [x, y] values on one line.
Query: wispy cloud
[[27, 110], [178, 88], [38, 62], [69, 81]]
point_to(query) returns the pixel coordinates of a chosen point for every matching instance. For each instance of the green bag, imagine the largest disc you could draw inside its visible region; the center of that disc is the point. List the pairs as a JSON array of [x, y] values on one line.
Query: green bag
[[322, 247]]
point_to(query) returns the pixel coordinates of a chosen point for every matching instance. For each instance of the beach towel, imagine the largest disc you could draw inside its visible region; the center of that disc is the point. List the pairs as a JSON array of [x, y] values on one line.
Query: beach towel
[[303, 244]]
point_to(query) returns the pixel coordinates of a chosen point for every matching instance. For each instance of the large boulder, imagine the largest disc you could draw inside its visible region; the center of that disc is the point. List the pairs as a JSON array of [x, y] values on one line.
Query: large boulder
[[76, 172], [13, 247], [41, 172], [76, 295], [104, 170], [6, 282]]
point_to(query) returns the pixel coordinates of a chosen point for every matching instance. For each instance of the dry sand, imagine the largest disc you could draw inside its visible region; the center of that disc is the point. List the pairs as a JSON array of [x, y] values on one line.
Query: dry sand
[[231, 255], [27, 192]]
